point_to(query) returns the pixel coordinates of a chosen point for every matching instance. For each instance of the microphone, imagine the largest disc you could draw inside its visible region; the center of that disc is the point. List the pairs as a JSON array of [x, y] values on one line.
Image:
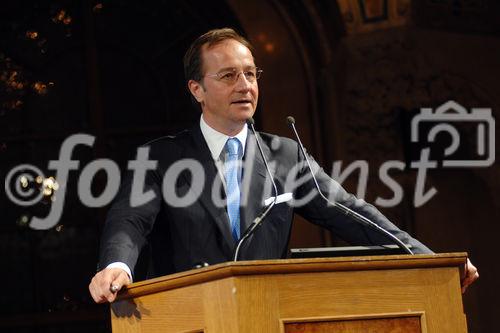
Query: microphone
[[341, 208], [258, 220]]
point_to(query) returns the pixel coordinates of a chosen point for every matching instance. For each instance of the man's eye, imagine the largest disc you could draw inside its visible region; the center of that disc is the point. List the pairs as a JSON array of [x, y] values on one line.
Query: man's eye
[[250, 74], [227, 76]]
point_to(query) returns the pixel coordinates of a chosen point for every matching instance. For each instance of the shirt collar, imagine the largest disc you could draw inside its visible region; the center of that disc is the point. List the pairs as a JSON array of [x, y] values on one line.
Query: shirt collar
[[217, 140]]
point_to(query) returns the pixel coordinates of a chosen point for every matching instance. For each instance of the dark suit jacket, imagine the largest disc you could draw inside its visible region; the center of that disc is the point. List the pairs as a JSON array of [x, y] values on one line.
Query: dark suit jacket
[[180, 237]]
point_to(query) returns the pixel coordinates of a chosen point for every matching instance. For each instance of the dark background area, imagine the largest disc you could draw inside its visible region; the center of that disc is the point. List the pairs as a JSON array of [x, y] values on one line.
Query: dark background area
[[352, 73]]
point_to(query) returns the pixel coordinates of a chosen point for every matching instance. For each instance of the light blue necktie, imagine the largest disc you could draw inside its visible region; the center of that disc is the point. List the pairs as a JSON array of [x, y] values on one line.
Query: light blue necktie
[[231, 166]]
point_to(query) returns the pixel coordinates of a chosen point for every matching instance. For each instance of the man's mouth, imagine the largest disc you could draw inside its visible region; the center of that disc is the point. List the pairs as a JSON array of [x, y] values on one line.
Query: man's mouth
[[242, 101]]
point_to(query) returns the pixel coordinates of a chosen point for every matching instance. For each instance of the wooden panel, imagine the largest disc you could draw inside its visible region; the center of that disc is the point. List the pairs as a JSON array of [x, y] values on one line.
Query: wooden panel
[[177, 310], [258, 301], [380, 325], [436, 292], [220, 305]]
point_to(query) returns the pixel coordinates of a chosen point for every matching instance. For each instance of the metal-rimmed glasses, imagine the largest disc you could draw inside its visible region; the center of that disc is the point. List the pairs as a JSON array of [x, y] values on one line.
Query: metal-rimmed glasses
[[231, 75]]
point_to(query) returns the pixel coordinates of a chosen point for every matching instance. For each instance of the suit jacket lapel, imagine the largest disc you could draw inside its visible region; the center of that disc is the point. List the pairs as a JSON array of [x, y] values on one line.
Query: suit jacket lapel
[[199, 151], [256, 186]]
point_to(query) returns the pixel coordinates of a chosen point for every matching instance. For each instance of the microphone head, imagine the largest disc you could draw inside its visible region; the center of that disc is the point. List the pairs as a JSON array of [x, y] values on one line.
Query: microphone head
[[250, 121], [290, 120]]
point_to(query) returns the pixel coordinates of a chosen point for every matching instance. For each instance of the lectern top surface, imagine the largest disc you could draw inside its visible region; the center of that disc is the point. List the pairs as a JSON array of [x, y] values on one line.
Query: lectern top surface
[[292, 266]]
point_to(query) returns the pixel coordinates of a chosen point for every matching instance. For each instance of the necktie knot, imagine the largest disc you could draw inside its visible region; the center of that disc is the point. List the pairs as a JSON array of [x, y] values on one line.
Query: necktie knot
[[233, 146]]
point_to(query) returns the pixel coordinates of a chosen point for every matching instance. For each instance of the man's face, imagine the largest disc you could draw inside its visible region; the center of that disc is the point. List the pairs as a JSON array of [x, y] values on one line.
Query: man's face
[[226, 106]]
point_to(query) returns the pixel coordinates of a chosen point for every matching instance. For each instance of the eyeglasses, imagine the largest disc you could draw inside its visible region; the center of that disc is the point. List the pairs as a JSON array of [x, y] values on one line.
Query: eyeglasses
[[231, 75]]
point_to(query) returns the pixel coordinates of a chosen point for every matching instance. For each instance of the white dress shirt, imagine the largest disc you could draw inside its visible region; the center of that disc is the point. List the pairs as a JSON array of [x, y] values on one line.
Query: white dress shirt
[[216, 142]]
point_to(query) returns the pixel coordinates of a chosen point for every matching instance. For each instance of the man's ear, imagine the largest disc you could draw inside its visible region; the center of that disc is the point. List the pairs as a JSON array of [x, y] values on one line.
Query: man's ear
[[197, 90]]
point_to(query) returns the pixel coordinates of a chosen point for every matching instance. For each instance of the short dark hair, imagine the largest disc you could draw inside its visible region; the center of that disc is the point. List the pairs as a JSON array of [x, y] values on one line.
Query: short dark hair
[[192, 58]]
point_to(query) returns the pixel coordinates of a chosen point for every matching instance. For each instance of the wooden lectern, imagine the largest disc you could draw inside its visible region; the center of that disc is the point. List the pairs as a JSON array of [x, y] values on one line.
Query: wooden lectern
[[378, 294]]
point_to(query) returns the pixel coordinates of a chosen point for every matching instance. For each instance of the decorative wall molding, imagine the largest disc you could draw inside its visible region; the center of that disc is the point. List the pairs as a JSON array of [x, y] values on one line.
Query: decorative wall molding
[[361, 16]]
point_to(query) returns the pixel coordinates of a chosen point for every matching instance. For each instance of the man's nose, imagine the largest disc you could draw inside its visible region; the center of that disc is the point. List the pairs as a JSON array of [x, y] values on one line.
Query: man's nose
[[242, 83]]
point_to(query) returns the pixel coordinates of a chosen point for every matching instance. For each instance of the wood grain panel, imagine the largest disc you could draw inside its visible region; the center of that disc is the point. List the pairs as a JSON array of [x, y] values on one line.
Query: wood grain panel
[[355, 293], [380, 325], [221, 307], [258, 304], [176, 310]]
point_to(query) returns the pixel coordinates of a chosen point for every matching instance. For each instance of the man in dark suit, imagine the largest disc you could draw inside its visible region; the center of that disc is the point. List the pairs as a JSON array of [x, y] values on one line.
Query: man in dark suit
[[198, 200]]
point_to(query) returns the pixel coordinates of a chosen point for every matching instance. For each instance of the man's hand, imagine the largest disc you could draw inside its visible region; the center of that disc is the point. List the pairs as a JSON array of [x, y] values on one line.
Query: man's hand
[[106, 283], [471, 275]]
